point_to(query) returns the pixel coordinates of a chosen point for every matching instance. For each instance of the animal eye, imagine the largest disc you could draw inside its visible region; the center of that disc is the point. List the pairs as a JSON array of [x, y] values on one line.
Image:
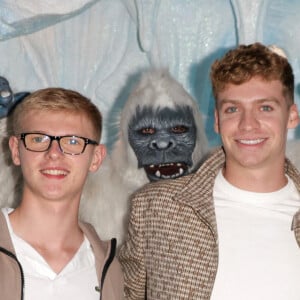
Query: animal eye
[[147, 131], [179, 129]]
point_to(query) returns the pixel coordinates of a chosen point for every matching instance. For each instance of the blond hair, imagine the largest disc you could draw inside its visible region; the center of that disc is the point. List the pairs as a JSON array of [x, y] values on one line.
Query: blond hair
[[57, 99]]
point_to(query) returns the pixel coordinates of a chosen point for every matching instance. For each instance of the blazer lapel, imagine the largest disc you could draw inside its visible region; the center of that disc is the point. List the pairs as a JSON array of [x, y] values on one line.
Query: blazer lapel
[[198, 191]]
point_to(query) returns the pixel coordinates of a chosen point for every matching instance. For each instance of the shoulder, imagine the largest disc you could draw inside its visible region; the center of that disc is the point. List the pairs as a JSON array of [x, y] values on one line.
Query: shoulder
[[163, 188], [5, 238], [93, 237], [292, 171], [107, 264], [166, 189]]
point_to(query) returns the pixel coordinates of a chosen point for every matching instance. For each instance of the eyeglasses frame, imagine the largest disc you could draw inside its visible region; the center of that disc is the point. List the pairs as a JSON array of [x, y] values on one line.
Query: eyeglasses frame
[[57, 138]]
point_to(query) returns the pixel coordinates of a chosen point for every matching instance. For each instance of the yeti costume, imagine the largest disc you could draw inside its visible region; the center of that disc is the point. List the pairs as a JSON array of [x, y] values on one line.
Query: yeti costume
[[105, 201]]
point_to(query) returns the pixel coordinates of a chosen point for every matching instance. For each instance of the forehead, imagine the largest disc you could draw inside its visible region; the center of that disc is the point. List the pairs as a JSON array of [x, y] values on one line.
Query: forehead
[[56, 122], [255, 89]]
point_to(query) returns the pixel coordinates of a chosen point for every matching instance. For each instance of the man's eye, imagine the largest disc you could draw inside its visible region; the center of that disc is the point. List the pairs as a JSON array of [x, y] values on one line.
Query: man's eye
[[73, 141], [40, 139], [266, 108], [147, 131], [231, 109], [179, 129]]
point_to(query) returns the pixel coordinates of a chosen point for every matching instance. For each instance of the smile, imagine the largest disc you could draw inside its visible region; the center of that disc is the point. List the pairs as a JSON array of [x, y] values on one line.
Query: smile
[[251, 142], [55, 172]]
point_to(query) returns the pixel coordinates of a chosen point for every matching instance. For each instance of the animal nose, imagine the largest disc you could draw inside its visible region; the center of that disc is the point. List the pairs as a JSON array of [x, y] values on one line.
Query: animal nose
[[162, 144]]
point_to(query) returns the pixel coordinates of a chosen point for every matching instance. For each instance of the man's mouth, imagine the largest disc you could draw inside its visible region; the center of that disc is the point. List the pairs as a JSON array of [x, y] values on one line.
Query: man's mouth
[[55, 172], [251, 141], [166, 171]]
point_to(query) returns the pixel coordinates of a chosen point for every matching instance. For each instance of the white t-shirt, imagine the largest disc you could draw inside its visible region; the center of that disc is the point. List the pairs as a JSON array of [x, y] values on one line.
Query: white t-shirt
[[77, 281], [258, 255]]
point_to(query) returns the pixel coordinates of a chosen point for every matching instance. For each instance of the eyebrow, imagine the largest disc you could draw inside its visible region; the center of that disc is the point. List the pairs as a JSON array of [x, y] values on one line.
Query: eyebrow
[[274, 100]]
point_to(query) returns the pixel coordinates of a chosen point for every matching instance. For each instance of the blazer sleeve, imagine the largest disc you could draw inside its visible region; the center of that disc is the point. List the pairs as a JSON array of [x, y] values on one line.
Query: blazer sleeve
[[131, 254]]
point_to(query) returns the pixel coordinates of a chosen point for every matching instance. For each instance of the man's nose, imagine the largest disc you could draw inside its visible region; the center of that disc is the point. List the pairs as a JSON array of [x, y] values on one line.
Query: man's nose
[[54, 149], [248, 120]]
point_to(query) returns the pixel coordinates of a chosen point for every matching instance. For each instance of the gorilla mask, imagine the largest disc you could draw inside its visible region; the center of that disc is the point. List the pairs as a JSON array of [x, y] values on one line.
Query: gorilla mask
[[161, 131], [163, 140]]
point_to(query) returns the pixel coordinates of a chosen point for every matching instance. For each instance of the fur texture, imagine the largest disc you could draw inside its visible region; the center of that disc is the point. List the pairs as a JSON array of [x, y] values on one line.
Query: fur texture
[[105, 202]]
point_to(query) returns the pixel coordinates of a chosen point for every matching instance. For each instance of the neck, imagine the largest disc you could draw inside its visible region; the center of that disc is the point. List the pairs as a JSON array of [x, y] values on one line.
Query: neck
[[260, 181], [35, 220], [50, 227]]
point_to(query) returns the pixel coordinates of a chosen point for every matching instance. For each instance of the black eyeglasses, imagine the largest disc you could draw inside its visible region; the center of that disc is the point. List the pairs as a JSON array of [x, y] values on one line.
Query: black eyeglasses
[[68, 144]]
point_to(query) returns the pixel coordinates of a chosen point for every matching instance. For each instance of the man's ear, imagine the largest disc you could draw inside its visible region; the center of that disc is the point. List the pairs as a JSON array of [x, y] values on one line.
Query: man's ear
[[14, 149], [293, 120], [98, 157]]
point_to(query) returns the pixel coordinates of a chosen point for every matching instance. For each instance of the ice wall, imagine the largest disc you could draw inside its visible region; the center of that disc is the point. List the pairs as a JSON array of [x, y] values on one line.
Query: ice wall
[[99, 47]]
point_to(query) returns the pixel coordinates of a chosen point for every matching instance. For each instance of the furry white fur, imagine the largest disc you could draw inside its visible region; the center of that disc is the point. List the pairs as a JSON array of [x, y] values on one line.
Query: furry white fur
[[106, 197]]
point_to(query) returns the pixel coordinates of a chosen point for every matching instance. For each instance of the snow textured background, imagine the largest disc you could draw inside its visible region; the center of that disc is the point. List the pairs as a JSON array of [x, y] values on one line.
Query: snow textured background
[[100, 47]]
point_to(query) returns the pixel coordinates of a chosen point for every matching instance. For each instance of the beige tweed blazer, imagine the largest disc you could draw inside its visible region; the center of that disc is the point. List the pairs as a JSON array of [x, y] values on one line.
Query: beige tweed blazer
[[172, 253]]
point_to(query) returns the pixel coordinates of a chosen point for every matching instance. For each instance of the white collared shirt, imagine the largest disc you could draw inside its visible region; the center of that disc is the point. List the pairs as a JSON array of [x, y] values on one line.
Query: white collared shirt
[[77, 280]]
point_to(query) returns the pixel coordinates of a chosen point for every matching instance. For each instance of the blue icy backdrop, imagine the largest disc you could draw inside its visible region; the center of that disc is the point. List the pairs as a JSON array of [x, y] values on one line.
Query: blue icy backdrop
[[99, 47]]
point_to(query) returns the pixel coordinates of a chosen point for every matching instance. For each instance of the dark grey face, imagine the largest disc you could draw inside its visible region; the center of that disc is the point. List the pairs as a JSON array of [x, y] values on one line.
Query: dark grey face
[[163, 140]]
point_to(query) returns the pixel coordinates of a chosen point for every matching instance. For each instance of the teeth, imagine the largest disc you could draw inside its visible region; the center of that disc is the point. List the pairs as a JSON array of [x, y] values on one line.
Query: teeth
[[170, 176], [251, 142], [166, 165], [55, 172], [157, 174]]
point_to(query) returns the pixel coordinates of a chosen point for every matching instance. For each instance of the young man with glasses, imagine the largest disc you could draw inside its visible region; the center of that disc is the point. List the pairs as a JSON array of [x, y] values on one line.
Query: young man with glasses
[[45, 252]]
